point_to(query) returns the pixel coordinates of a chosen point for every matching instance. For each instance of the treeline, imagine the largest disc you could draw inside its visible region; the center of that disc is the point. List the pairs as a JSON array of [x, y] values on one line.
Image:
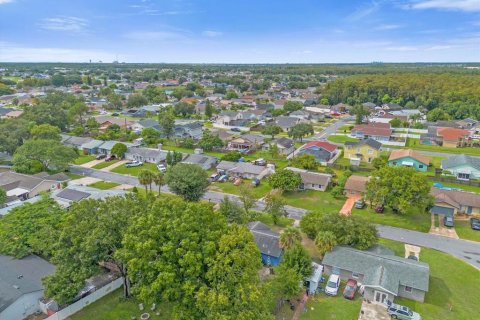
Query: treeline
[[449, 92]]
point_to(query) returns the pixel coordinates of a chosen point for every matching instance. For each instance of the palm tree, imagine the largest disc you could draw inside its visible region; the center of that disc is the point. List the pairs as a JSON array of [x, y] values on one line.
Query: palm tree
[[159, 180], [325, 241], [145, 177], [289, 237]]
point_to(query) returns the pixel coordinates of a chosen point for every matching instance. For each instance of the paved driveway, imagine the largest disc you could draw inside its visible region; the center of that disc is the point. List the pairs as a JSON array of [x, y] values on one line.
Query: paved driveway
[[348, 205]]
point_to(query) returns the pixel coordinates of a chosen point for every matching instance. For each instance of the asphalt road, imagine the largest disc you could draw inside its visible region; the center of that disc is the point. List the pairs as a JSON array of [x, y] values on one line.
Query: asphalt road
[[468, 251], [332, 128]]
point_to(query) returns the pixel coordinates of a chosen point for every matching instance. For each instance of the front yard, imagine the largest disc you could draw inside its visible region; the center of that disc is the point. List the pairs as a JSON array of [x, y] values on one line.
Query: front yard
[[412, 220], [134, 171], [314, 200], [415, 144], [104, 185], [104, 164], [83, 159], [464, 231], [341, 139]]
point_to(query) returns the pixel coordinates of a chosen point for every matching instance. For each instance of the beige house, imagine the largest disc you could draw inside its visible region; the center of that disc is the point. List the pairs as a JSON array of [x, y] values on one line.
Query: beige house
[[312, 180], [355, 185]]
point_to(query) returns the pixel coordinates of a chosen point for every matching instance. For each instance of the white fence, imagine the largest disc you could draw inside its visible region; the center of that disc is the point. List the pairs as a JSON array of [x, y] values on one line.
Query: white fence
[[82, 303], [421, 131]]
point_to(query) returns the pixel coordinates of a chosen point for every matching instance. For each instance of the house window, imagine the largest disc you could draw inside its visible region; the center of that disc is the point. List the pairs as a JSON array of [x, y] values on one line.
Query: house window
[[370, 151], [463, 176], [420, 166], [408, 289], [355, 275], [394, 163]]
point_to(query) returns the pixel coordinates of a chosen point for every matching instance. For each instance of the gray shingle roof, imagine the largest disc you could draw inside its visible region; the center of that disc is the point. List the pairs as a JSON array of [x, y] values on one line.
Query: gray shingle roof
[[73, 195], [461, 160], [21, 276], [266, 238], [369, 142], [387, 271]]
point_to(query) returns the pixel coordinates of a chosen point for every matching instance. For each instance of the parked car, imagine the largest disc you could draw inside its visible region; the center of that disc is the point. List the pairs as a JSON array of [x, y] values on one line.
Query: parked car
[[236, 130], [332, 286], [350, 289], [448, 222], [396, 311], [260, 162], [380, 208], [133, 164], [115, 114], [359, 204], [110, 157], [255, 182], [214, 176], [475, 224], [223, 178], [161, 167], [101, 156]]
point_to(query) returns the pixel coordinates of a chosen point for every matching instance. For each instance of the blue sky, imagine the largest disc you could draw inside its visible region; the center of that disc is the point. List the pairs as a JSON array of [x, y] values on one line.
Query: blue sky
[[240, 31]]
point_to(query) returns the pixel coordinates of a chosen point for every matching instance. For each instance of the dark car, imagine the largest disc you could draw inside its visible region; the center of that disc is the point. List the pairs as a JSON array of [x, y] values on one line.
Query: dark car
[[236, 130], [255, 182], [475, 224], [359, 204], [115, 114], [448, 222], [350, 289], [379, 208], [110, 158], [101, 156]]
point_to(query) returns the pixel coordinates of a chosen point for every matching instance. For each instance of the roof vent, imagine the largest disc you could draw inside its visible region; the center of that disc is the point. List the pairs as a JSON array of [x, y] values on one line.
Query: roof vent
[[16, 287]]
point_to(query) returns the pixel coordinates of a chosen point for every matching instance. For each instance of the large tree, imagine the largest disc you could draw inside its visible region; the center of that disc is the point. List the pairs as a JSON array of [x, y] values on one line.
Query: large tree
[[187, 180], [145, 177], [286, 180], [232, 211], [46, 132], [305, 161], [300, 130], [297, 258], [275, 205], [42, 154], [119, 150], [12, 134], [210, 141], [289, 237], [166, 119], [92, 235], [272, 130], [400, 188]]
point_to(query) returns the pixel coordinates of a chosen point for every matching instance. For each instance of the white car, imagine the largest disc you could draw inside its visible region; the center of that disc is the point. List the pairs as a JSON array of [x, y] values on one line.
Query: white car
[[161, 167], [133, 164], [332, 286]]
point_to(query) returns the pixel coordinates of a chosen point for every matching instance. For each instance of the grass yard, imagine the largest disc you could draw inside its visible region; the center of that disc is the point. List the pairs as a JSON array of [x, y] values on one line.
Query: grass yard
[[83, 159], [464, 187], [12, 78], [324, 307], [134, 171], [283, 222], [453, 285], [73, 176], [464, 231], [314, 200], [229, 187], [411, 220], [104, 164], [415, 144], [104, 185], [341, 139], [113, 306]]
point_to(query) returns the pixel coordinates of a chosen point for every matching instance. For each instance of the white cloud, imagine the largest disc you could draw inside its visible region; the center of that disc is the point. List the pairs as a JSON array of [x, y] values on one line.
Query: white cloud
[[63, 23], [154, 35], [458, 5], [6, 1], [439, 47], [388, 27], [307, 51], [361, 13], [211, 33], [402, 48], [15, 53]]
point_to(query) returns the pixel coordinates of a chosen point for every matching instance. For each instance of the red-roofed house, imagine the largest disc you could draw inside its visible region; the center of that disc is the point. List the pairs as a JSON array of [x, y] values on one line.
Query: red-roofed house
[[323, 151], [453, 137], [375, 131]]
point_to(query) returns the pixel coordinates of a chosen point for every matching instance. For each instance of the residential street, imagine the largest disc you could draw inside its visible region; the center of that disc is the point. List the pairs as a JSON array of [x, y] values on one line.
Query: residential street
[[467, 251]]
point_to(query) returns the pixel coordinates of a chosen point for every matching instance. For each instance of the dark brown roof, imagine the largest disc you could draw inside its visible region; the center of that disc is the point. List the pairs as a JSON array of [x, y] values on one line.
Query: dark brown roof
[[356, 183]]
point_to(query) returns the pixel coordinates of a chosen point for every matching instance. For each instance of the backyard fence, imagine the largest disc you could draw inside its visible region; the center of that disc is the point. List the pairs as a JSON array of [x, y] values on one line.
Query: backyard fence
[[455, 180], [82, 303]]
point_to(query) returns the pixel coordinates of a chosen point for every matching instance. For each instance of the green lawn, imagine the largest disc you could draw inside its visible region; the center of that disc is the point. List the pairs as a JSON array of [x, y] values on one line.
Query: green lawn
[[83, 159], [314, 200], [464, 230], [324, 307], [12, 78], [464, 187], [341, 139], [113, 306], [104, 185], [412, 220], [104, 164], [135, 170], [229, 187], [73, 176], [283, 222], [453, 285], [415, 144]]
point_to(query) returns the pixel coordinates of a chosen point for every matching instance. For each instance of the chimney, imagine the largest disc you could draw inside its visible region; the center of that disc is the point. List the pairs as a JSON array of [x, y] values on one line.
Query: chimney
[[159, 146], [198, 151]]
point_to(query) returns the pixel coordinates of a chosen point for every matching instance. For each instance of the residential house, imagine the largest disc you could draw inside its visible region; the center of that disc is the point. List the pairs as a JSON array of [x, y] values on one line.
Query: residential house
[[286, 122], [246, 143], [105, 121], [228, 118], [323, 151], [453, 202], [204, 161], [355, 185], [147, 123], [409, 158], [462, 166], [363, 150], [467, 123], [188, 129], [91, 147], [21, 285], [244, 170], [107, 146], [267, 241], [74, 193], [301, 114], [382, 275], [151, 155], [19, 186], [312, 180], [74, 142], [376, 131], [285, 145], [454, 138]]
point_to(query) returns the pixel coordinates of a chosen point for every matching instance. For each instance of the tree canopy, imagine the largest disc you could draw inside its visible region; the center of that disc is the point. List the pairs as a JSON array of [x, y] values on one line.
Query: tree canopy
[[187, 180], [286, 180]]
